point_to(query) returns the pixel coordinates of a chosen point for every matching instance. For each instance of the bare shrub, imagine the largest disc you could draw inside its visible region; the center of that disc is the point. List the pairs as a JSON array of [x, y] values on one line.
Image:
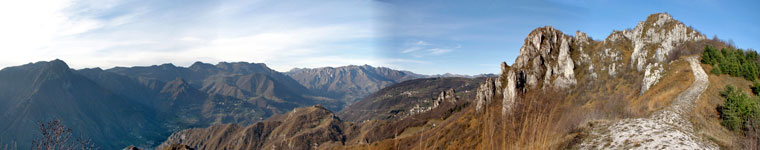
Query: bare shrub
[[752, 135], [13, 146], [55, 136], [696, 47]]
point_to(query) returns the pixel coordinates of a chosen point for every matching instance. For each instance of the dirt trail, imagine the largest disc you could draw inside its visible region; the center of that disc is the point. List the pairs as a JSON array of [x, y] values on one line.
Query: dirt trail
[[665, 129]]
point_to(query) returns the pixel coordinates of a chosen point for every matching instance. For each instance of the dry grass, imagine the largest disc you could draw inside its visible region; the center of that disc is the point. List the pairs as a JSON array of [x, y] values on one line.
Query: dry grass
[[706, 118], [678, 78], [547, 119], [536, 126], [618, 98], [12, 146]]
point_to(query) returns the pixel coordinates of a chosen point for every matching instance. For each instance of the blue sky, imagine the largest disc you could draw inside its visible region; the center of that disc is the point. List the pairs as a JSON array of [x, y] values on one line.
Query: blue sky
[[429, 37]]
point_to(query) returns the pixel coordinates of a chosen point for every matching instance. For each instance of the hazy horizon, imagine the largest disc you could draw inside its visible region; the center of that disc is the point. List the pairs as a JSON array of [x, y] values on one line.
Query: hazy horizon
[[466, 38]]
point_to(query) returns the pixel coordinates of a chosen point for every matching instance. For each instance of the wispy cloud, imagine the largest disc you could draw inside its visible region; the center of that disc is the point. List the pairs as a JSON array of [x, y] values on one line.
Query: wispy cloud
[[111, 33], [422, 48], [411, 49], [439, 51]]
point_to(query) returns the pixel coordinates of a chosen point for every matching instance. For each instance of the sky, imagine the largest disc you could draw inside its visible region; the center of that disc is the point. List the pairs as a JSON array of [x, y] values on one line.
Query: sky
[[427, 36]]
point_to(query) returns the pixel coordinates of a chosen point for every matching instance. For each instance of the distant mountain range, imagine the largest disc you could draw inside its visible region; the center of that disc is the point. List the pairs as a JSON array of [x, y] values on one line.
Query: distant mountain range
[[349, 83], [352, 83], [143, 105], [383, 115]]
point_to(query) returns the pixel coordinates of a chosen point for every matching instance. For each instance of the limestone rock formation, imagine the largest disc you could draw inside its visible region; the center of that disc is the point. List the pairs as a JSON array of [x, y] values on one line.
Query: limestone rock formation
[[446, 96], [546, 55], [510, 93], [551, 59], [485, 94], [652, 40]]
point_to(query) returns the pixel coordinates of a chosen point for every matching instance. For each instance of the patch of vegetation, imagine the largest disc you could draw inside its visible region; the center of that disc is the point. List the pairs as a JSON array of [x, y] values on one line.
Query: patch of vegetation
[[740, 111], [735, 62], [755, 88]]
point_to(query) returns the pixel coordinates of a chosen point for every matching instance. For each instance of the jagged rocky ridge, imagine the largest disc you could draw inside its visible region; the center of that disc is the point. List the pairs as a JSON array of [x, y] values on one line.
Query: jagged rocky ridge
[[352, 83], [552, 59], [349, 83]]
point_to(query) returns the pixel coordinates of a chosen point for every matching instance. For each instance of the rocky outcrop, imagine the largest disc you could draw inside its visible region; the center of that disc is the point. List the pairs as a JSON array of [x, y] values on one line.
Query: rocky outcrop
[[445, 96], [546, 56], [510, 93], [485, 94], [652, 40], [551, 59], [544, 61], [448, 96]]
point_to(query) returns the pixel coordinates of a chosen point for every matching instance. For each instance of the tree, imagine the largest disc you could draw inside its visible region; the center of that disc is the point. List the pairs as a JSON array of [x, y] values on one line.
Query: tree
[[711, 56], [739, 111], [756, 88], [735, 62], [55, 136]]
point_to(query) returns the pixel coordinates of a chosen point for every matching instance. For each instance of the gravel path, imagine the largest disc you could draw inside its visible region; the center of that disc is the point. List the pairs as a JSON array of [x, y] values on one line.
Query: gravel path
[[665, 129]]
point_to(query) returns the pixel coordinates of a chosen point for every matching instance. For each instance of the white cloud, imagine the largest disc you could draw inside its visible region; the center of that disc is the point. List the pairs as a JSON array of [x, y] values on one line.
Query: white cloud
[[122, 33], [439, 51], [31, 26], [422, 43], [411, 49], [421, 49]]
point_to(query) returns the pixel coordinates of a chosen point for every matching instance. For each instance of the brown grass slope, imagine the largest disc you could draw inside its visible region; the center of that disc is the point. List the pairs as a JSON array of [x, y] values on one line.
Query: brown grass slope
[[395, 102], [303, 128]]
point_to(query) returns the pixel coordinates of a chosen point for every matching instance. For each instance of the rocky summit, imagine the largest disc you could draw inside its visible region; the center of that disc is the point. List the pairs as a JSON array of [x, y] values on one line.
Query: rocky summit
[[552, 59]]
